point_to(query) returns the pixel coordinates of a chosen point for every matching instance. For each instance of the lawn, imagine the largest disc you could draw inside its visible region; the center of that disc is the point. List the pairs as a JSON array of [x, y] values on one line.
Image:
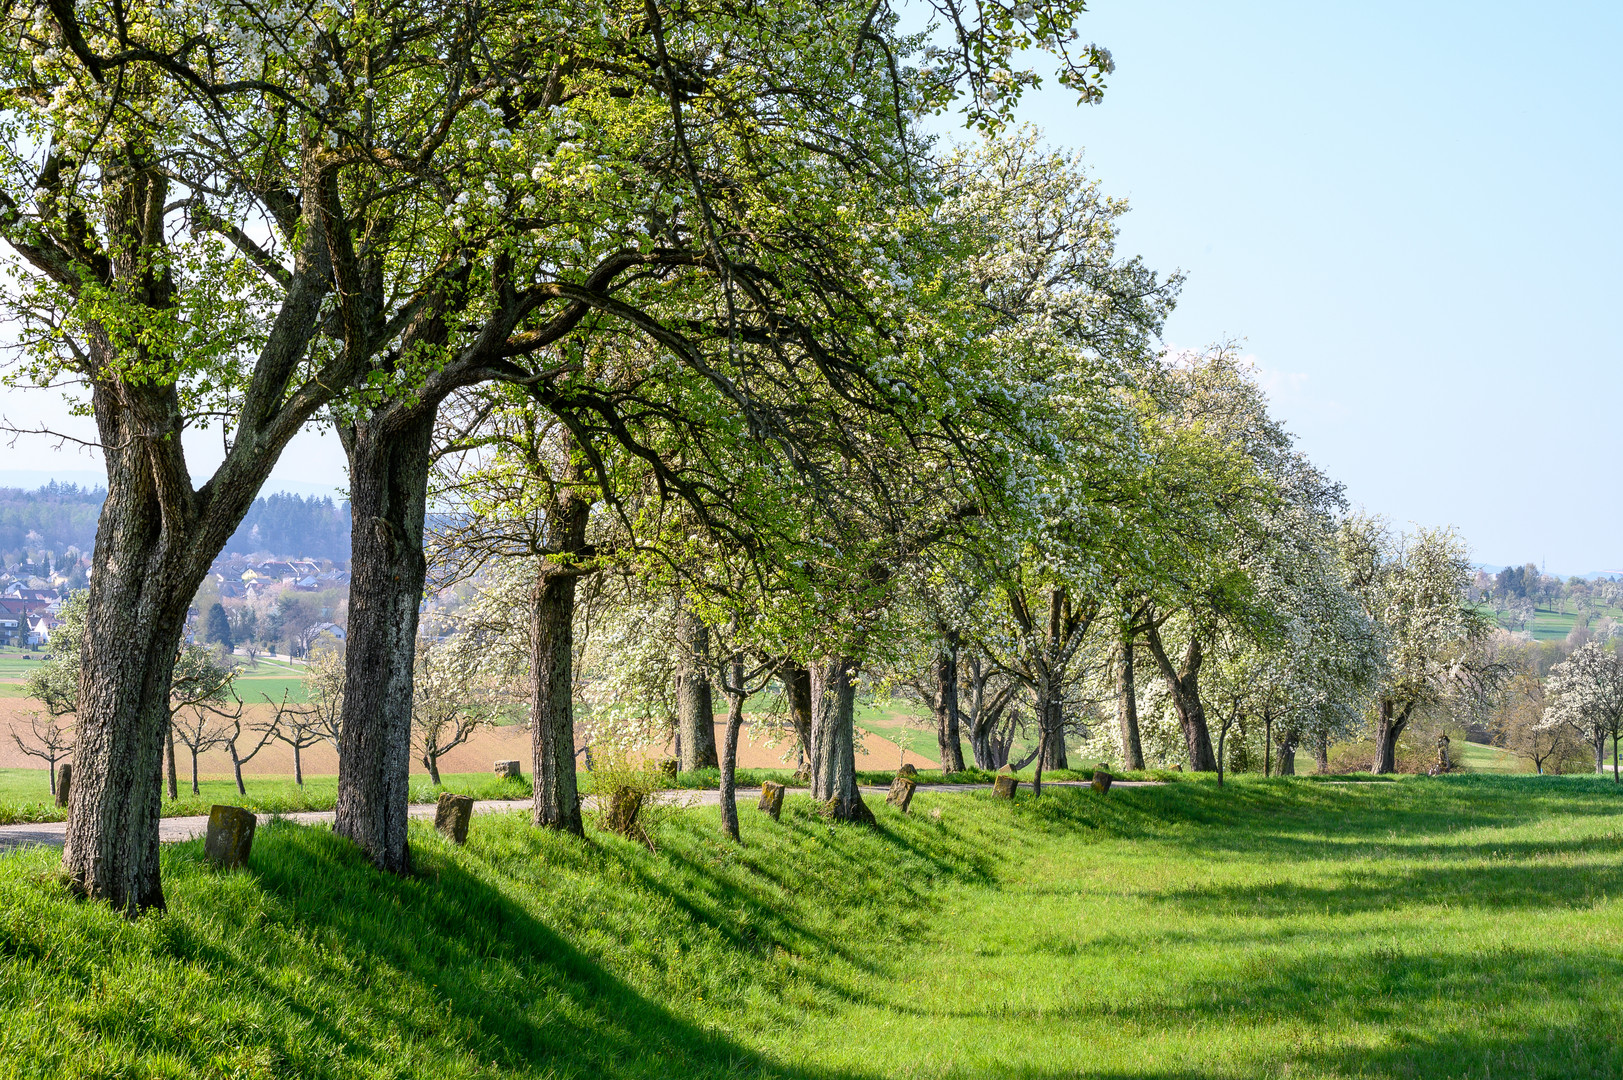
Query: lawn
[[1452, 927]]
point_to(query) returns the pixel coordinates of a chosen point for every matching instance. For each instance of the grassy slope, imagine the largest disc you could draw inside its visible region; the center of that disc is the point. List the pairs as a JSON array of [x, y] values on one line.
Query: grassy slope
[[1457, 927]]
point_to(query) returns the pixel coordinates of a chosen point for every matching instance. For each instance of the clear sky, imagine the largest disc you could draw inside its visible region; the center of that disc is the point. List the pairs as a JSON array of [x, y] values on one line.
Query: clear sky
[[1409, 212]]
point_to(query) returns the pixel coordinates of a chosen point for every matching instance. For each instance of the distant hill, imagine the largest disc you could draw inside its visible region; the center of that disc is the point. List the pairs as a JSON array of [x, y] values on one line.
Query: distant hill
[[58, 516]]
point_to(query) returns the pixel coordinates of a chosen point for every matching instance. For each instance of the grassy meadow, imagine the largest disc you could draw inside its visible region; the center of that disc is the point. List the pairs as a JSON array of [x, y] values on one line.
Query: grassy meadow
[[1454, 927]]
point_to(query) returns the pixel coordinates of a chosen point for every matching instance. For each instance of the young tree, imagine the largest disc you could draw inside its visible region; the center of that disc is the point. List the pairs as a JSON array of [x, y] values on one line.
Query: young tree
[[52, 741], [1585, 694], [453, 699]]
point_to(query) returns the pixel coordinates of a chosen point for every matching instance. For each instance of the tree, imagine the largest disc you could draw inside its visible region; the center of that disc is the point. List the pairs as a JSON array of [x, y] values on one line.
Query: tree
[[173, 184], [197, 712], [453, 699], [1518, 724], [1585, 694], [52, 741], [218, 629], [1414, 588]]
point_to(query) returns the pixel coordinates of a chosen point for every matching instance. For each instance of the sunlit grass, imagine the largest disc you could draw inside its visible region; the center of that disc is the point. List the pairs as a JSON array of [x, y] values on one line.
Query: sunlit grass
[[1431, 928]]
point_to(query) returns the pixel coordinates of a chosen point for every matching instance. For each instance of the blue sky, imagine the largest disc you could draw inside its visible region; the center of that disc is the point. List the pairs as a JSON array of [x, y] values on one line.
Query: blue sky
[[1408, 212]]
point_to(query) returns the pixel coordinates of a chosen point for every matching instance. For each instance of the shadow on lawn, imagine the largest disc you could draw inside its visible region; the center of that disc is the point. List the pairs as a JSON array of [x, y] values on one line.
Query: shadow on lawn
[[441, 961], [1294, 819]]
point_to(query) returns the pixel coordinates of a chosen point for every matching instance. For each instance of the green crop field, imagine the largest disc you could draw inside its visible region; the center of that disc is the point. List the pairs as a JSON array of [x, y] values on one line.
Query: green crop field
[[1448, 927]]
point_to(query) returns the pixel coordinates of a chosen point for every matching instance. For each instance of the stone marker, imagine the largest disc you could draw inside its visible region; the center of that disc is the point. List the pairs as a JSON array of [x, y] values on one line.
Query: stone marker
[[1003, 787], [901, 793], [668, 768], [230, 836], [771, 799], [907, 770], [1101, 781], [64, 778], [508, 768], [1007, 770], [625, 806], [452, 815]]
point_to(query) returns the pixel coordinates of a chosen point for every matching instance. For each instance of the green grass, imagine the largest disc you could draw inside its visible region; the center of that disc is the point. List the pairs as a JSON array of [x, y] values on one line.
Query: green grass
[[25, 794], [1487, 759], [1454, 927]]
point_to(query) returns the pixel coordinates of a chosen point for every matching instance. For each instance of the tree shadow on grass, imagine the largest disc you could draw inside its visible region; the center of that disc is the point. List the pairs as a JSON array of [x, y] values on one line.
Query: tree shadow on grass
[[345, 969], [1293, 820]]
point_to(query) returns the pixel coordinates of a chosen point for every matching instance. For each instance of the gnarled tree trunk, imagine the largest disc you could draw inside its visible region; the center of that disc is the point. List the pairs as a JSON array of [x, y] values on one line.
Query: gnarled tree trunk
[[1321, 753], [1389, 724], [695, 703], [834, 764], [1184, 687], [389, 461], [796, 681]]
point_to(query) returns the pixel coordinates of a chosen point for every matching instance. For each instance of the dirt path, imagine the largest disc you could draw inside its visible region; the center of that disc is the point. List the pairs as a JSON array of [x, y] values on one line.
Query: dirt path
[[171, 830]]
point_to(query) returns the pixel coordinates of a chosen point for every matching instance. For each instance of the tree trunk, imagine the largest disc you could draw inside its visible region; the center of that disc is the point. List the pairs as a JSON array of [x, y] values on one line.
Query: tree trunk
[[298, 766], [946, 708], [796, 681], [1287, 758], [434, 770], [169, 760], [695, 703], [1043, 737], [236, 767], [195, 790], [1052, 753], [155, 538], [552, 648], [1389, 725], [1267, 744], [389, 461], [834, 764], [729, 752], [1185, 689], [1321, 753], [1132, 748]]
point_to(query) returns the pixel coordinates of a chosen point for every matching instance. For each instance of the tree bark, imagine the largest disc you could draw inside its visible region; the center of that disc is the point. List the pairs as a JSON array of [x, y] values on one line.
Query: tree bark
[[1052, 746], [1185, 690], [169, 760], [946, 705], [796, 681], [1132, 748], [1389, 724], [552, 648], [729, 752], [695, 702], [834, 764], [298, 767], [389, 461], [1321, 753], [1287, 758]]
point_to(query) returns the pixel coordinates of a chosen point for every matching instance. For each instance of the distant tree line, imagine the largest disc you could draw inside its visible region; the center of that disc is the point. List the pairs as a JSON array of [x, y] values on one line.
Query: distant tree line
[[286, 524], [37, 526]]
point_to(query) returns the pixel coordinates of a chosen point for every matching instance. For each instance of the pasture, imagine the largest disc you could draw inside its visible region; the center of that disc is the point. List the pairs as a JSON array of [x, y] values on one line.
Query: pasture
[[1457, 927]]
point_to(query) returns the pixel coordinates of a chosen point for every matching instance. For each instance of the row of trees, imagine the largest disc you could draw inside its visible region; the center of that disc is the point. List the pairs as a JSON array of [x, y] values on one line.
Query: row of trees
[[677, 311]]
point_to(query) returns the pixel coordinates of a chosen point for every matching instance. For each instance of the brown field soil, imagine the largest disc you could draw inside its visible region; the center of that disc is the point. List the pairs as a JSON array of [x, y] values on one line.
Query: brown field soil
[[477, 755]]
